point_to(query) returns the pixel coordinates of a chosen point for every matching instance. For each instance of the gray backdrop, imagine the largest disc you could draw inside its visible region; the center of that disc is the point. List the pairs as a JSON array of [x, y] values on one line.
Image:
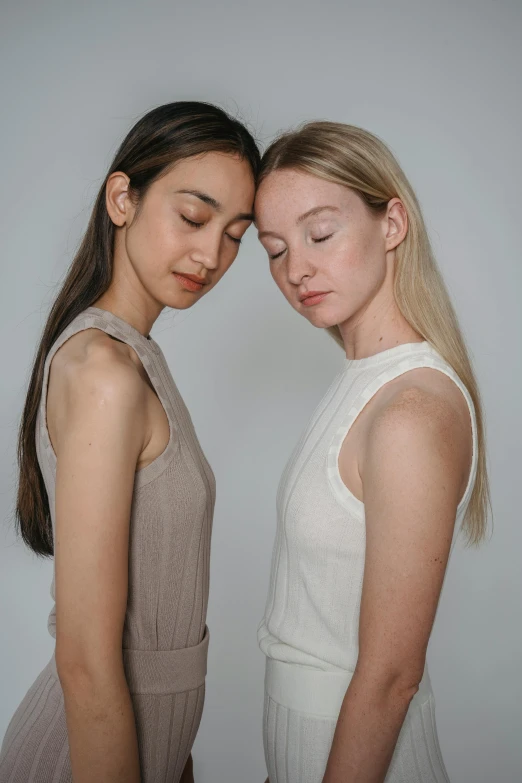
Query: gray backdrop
[[440, 82]]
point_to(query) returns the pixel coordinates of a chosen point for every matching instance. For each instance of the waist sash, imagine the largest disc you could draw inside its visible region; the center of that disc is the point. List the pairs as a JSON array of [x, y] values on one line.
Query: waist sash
[[317, 692], [159, 672]]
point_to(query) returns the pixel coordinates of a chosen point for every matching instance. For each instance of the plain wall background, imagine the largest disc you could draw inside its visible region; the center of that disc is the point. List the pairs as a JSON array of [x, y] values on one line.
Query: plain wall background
[[440, 83]]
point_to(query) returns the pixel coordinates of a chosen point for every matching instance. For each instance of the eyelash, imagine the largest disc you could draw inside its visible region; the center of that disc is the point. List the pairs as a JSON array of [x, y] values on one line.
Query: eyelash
[[192, 223], [320, 239]]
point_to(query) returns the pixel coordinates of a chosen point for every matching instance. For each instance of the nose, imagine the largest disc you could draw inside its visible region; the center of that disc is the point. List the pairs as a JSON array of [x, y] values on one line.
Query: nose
[[298, 267], [206, 249]]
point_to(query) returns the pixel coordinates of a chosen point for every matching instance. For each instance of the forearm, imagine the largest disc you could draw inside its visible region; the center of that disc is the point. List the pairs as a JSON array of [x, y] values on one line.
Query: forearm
[[366, 733], [101, 729]]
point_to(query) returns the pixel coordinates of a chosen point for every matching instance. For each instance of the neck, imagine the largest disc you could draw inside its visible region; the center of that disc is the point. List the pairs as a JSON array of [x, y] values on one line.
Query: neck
[[126, 297], [377, 326], [127, 309]]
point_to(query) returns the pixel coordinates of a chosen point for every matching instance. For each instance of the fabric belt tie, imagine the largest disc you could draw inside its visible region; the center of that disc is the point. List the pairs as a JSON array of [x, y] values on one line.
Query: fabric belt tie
[[159, 672], [318, 692]]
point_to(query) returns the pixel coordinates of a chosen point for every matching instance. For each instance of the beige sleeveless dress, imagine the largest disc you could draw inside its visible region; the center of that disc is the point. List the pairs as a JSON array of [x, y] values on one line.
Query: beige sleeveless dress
[[165, 639]]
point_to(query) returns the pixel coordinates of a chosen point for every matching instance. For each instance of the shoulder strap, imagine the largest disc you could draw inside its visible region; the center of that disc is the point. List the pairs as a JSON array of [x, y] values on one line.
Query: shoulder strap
[[149, 354]]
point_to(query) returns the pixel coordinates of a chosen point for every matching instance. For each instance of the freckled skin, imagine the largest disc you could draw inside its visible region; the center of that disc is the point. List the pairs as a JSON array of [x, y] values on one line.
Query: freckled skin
[[348, 251], [407, 456], [350, 263]]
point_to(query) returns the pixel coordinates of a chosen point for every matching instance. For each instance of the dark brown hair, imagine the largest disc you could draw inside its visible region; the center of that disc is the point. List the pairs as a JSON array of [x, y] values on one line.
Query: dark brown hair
[[157, 141]]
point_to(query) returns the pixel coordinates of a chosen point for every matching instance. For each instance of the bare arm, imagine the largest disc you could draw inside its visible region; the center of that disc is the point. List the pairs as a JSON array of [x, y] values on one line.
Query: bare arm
[[98, 441], [414, 464]]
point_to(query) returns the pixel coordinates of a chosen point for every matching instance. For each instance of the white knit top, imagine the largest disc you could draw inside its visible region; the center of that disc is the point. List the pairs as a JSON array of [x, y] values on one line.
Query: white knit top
[[312, 610]]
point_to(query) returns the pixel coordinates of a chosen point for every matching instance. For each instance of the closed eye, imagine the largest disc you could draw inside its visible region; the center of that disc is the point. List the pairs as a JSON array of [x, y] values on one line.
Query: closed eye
[[190, 222], [237, 240], [323, 239], [275, 255]]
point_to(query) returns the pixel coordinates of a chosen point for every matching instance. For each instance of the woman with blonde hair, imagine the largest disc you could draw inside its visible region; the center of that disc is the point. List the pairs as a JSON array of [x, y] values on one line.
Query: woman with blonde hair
[[391, 466]]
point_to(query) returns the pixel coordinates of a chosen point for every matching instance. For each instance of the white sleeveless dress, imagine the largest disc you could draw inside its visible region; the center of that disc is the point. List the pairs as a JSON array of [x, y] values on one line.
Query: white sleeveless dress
[[310, 629]]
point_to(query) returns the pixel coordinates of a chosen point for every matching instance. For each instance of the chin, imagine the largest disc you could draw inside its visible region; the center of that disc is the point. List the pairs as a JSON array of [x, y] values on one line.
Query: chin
[[179, 300], [323, 321], [181, 303]]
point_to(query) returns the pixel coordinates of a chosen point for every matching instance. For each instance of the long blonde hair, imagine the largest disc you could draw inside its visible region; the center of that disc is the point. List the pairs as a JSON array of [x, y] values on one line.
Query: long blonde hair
[[353, 157]]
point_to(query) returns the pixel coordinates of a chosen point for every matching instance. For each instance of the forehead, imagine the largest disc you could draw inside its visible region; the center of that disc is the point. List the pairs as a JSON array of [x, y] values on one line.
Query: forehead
[[288, 194], [224, 176]]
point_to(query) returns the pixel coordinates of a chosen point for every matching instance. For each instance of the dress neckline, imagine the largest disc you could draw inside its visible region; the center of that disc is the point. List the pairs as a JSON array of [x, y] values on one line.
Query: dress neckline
[[397, 351], [123, 325]]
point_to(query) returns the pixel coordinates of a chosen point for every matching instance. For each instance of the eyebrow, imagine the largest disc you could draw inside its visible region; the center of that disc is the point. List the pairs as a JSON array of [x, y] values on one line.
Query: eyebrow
[[301, 218], [315, 211], [215, 204]]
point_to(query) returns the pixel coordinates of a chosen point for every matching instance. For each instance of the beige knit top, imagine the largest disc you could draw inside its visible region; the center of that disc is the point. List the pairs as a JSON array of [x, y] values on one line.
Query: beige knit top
[[170, 529]]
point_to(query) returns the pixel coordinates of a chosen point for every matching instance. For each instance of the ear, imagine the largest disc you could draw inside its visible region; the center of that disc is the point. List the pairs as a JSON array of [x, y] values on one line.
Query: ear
[[396, 223], [117, 199]]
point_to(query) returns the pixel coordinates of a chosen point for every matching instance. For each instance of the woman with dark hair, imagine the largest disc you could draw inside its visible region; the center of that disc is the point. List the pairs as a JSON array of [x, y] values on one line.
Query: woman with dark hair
[[112, 480]]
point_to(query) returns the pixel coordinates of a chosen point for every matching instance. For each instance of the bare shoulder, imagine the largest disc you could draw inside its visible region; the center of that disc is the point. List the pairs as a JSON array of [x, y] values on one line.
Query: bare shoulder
[[424, 400], [93, 362], [422, 425], [415, 469], [94, 376]]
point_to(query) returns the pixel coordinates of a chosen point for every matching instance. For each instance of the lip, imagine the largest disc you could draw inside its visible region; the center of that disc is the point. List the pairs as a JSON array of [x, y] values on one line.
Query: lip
[[312, 297], [190, 282]]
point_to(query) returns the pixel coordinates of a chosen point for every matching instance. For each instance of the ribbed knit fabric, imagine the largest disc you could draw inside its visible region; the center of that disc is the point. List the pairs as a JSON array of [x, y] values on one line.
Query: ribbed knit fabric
[[165, 639], [311, 620]]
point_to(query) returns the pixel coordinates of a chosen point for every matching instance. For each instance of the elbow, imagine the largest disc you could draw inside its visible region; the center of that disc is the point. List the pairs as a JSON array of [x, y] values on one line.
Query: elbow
[[398, 684], [87, 673], [74, 675], [405, 687]]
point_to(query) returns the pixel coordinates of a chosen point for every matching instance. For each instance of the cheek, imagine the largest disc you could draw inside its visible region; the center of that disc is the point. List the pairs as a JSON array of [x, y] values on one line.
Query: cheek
[[347, 265], [359, 260], [280, 278], [153, 242]]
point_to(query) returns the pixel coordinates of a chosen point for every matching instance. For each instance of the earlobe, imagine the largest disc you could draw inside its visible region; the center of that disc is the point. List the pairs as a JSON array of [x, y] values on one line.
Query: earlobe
[[116, 197]]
